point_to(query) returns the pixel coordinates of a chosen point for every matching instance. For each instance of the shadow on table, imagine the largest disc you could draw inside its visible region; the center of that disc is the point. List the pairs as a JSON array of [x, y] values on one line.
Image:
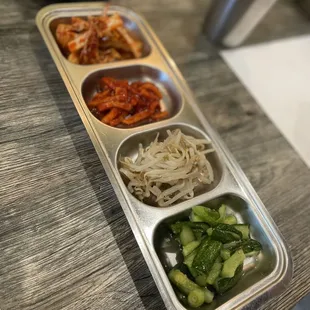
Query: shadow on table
[[113, 213]]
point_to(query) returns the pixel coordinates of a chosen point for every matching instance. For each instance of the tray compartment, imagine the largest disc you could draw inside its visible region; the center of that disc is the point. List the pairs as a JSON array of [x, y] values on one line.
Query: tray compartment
[[129, 148], [256, 269], [130, 25], [172, 101]]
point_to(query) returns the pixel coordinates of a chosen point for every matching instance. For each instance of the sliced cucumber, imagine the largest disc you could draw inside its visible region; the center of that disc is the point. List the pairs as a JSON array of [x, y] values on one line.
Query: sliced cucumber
[[209, 231], [244, 229], [190, 247], [178, 226], [226, 233], [201, 280], [198, 234], [207, 253], [222, 212], [222, 285], [186, 235], [251, 247], [214, 272], [208, 296], [188, 261], [196, 298], [183, 283], [207, 215], [225, 254], [195, 218], [230, 220], [232, 263]]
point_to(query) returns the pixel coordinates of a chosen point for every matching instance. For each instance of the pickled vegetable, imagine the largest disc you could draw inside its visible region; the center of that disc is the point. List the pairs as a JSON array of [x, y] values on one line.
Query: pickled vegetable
[[232, 263], [244, 229], [188, 261], [225, 254], [207, 215], [190, 247], [230, 220], [226, 233], [214, 272], [222, 285], [186, 235], [207, 253], [214, 248], [178, 226], [184, 284], [196, 298]]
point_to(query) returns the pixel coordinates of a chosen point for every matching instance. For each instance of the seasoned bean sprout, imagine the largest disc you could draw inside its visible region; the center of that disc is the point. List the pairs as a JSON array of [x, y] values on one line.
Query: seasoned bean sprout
[[170, 170]]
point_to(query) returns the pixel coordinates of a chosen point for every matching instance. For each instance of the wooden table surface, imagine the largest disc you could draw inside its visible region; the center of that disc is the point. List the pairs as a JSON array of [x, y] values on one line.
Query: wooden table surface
[[64, 240]]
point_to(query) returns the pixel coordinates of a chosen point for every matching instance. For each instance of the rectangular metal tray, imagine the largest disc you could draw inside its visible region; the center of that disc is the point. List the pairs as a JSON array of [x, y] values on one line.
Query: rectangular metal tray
[[272, 270]]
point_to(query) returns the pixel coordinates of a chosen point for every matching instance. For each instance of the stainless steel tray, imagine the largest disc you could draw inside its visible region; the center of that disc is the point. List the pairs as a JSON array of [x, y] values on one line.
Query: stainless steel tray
[[273, 268]]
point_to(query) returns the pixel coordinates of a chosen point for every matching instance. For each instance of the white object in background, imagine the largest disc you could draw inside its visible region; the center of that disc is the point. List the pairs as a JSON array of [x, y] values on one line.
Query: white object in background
[[277, 74]]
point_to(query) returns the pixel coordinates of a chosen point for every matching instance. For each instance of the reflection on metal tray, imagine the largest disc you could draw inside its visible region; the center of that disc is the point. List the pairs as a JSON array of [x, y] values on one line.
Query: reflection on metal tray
[[274, 267]]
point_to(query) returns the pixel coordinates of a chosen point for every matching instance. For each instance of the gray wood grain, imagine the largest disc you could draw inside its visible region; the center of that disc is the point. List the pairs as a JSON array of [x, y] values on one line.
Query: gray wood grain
[[64, 240]]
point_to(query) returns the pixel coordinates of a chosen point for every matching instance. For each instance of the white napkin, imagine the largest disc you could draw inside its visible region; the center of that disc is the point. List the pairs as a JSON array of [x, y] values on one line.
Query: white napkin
[[277, 74]]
